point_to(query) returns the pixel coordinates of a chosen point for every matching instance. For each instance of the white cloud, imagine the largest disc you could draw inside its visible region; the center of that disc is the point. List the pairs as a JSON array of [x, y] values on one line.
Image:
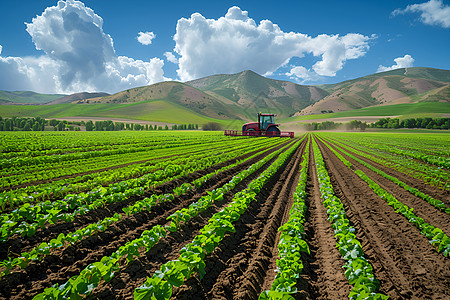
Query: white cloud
[[1, 48], [400, 62], [235, 42], [302, 75], [145, 38], [79, 56], [433, 12], [170, 57]]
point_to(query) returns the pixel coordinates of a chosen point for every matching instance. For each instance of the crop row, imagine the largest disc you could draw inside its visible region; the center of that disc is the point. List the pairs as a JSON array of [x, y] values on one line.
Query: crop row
[[434, 144], [26, 219], [17, 142], [436, 236], [141, 205], [358, 270], [435, 202], [191, 259], [12, 177], [85, 182], [440, 161], [431, 174], [34, 194], [291, 243], [105, 269]]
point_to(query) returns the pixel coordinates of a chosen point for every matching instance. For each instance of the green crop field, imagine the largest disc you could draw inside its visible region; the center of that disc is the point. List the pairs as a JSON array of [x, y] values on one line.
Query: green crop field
[[186, 214]]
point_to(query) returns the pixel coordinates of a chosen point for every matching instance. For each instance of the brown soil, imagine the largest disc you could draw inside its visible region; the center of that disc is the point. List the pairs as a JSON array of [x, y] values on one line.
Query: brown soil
[[422, 209], [431, 190], [407, 266], [237, 268], [65, 263], [323, 276], [242, 266], [17, 244]]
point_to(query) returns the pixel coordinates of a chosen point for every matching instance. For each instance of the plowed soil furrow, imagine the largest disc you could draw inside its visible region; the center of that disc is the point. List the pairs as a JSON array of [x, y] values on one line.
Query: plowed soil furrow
[[17, 244], [407, 169], [323, 276], [263, 262], [404, 261], [431, 190], [237, 268], [64, 263], [422, 209], [123, 285]]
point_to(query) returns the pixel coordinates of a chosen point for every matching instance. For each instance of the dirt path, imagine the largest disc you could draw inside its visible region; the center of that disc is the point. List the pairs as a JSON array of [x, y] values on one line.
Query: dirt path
[[403, 259]]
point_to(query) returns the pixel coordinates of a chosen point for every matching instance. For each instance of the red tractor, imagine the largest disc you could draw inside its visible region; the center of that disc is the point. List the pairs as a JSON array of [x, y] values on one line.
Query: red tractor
[[264, 127]]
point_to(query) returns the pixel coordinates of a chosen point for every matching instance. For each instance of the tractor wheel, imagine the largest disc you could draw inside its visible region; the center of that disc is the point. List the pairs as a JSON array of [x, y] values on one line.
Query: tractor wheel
[[251, 132], [273, 131]]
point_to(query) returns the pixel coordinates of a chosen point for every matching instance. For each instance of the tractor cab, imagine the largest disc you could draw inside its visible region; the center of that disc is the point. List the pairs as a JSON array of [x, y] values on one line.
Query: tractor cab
[[265, 120]]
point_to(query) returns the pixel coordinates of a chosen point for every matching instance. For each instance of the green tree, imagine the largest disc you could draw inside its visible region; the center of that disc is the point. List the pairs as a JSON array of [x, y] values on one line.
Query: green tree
[[89, 125], [8, 125], [61, 126]]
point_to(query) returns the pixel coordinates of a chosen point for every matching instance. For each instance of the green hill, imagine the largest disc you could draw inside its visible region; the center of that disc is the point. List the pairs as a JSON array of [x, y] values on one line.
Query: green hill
[[27, 97], [232, 99], [386, 88], [250, 93]]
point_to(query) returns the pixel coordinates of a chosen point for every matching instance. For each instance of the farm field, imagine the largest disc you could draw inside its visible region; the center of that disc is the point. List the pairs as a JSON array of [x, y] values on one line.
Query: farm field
[[198, 215]]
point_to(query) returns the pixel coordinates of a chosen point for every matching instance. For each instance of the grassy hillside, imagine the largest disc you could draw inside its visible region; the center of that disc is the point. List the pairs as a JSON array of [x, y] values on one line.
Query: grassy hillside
[[27, 97], [174, 93], [77, 97], [251, 93], [385, 88], [416, 72], [407, 110], [152, 110], [234, 99]]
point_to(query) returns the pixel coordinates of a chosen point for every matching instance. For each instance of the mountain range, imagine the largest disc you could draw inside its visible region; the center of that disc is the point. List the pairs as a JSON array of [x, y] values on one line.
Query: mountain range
[[240, 96]]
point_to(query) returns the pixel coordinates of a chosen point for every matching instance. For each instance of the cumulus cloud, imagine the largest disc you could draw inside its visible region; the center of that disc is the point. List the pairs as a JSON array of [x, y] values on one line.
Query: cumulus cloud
[[302, 75], [433, 12], [400, 62], [145, 38], [79, 56], [236, 42], [171, 57], [1, 48]]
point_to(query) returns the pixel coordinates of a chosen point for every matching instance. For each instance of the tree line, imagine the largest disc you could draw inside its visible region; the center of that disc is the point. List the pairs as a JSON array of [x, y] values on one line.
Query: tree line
[[41, 124], [427, 123]]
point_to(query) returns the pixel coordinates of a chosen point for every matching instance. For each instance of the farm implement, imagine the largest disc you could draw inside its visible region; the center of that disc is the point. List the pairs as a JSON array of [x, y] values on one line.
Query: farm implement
[[264, 127]]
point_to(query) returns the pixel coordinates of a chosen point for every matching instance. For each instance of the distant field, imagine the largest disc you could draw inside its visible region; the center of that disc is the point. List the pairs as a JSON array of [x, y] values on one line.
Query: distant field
[[27, 97], [199, 215], [153, 110], [407, 110]]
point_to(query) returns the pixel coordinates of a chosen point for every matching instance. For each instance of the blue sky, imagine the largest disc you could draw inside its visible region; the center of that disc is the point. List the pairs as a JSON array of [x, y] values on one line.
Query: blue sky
[[93, 45]]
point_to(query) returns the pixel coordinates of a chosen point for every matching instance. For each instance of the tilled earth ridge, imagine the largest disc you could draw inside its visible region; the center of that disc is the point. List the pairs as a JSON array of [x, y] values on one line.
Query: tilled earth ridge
[[404, 261], [428, 189], [65, 263], [422, 209], [18, 244], [236, 269]]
